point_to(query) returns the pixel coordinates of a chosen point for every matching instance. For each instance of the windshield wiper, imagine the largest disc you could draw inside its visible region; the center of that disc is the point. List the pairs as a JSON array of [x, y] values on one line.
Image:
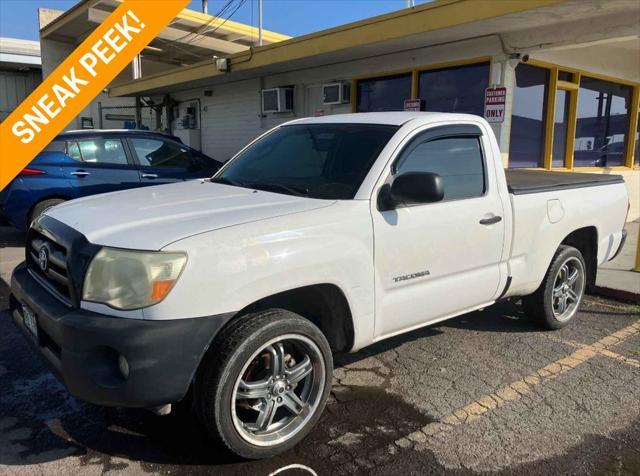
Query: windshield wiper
[[277, 187]]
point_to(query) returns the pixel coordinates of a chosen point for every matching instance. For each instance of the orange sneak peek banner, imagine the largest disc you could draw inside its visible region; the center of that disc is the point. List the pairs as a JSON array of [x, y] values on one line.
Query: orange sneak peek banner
[[79, 79]]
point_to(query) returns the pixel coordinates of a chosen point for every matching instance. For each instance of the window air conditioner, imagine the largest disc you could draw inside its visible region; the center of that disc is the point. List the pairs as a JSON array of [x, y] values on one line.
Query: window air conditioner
[[336, 93], [277, 100]]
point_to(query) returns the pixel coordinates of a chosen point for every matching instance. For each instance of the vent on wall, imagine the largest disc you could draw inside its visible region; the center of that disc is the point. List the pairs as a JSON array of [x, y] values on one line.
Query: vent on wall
[[277, 100]]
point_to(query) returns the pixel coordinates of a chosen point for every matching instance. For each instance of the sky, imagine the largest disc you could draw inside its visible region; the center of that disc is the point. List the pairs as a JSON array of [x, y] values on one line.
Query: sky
[[19, 18]]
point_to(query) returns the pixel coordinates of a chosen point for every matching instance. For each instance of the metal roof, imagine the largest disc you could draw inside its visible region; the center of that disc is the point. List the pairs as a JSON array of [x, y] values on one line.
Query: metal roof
[[191, 37]]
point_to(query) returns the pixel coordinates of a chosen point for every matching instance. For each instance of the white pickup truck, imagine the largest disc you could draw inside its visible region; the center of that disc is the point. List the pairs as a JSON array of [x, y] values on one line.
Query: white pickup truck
[[323, 235]]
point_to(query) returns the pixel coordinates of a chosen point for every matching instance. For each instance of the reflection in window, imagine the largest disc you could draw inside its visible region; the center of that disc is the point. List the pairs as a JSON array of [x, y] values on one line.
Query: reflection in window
[[458, 160], [560, 123], [103, 151], [383, 94], [528, 117], [160, 153], [459, 89], [601, 129]]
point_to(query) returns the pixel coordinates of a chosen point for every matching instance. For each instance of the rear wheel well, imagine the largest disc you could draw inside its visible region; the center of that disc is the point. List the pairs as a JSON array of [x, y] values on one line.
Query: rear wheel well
[[323, 304], [586, 241]]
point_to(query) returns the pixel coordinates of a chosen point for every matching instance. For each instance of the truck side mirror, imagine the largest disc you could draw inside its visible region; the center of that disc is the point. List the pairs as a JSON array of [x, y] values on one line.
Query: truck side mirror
[[412, 188]]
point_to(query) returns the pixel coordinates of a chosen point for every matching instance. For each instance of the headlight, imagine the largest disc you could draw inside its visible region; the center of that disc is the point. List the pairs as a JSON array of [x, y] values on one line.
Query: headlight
[[131, 279]]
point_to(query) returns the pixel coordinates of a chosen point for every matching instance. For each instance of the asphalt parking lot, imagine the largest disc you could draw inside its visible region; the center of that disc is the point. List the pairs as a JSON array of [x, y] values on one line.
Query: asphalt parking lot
[[486, 392]]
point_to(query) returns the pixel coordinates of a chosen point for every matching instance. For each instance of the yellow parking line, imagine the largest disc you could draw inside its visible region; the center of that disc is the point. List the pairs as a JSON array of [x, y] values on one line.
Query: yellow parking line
[[515, 390], [598, 349]]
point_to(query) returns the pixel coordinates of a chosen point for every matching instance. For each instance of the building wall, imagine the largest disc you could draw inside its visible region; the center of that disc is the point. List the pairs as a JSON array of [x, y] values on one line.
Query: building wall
[[231, 116], [15, 86]]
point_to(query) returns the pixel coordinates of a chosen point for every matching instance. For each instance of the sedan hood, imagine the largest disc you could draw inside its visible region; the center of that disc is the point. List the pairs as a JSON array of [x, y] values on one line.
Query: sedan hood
[[150, 218]]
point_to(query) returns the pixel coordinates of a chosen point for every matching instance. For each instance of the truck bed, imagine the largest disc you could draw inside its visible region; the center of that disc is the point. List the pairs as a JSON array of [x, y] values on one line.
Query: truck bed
[[521, 182]]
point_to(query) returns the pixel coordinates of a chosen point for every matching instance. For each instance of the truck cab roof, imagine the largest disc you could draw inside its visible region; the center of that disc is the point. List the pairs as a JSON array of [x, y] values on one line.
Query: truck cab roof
[[396, 118]]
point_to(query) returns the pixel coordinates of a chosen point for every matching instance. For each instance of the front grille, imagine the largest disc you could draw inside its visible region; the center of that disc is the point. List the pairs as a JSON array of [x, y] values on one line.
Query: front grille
[[54, 275]]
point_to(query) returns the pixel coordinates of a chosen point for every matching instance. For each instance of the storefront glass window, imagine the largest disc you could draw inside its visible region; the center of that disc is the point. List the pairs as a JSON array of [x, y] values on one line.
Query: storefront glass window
[[528, 117], [560, 127], [458, 89], [383, 94], [602, 125]]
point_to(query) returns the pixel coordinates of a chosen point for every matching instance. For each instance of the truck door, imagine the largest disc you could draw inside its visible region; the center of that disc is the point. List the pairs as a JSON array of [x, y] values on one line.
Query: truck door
[[437, 259]]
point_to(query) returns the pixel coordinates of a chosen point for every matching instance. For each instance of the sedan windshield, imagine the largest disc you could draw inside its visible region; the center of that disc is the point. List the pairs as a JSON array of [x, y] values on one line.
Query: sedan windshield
[[327, 161]]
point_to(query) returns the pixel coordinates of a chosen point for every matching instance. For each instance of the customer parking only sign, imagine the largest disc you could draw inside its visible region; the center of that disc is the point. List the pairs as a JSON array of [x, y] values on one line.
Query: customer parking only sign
[[494, 101]]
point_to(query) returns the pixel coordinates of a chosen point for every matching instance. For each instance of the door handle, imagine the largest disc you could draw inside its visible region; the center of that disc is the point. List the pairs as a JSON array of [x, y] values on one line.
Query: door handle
[[490, 221], [80, 173], [149, 175]]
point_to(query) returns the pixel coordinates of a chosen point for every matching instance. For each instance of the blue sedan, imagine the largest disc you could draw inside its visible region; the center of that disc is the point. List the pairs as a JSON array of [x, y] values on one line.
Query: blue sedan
[[80, 163]]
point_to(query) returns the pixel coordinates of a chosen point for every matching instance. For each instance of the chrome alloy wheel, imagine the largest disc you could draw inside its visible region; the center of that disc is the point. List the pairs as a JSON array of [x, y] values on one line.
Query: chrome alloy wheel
[[568, 288], [278, 390]]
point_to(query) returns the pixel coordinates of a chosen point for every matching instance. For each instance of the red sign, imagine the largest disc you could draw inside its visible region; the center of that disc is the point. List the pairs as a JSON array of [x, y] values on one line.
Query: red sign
[[494, 103], [413, 104]]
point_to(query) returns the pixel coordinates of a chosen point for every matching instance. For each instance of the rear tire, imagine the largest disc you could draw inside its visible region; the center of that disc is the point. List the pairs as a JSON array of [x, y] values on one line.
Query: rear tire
[[264, 383], [42, 207], [556, 302]]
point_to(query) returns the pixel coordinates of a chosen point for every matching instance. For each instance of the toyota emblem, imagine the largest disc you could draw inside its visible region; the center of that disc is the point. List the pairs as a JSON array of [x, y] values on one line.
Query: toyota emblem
[[43, 259]]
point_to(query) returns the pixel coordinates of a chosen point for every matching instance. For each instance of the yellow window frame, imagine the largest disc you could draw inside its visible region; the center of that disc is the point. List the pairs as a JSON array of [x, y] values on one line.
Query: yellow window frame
[[572, 88], [415, 75]]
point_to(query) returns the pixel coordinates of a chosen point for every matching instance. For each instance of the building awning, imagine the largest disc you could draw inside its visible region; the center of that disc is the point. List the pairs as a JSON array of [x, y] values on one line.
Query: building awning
[[18, 54], [519, 25], [190, 38]]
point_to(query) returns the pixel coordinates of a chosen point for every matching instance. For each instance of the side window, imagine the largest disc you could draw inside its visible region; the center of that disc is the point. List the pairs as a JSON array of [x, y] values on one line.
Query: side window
[[102, 151], [73, 150], [160, 153], [458, 160]]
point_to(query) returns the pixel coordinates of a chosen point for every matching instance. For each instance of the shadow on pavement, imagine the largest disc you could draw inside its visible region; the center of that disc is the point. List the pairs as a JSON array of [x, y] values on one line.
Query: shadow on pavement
[[10, 237]]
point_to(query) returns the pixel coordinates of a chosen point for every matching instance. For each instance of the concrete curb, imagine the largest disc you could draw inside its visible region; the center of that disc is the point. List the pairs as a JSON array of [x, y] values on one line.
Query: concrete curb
[[617, 294]]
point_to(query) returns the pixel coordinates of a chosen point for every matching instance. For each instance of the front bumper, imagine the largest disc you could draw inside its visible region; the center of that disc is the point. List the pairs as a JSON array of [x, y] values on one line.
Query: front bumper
[[84, 349]]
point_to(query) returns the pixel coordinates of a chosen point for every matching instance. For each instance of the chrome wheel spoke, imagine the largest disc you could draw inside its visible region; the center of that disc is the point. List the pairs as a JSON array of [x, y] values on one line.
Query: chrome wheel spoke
[[299, 371], [557, 292], [277, 359], [265, 417], [573, 277], [293, 403], [571, 295], [258, 389]]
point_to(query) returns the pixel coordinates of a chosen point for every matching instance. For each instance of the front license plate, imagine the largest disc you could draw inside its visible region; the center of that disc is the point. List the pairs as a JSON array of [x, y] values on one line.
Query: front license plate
[[30, 321]]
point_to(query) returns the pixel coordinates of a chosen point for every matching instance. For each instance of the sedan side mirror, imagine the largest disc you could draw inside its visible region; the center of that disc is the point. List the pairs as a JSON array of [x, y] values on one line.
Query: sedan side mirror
[[413, 188]]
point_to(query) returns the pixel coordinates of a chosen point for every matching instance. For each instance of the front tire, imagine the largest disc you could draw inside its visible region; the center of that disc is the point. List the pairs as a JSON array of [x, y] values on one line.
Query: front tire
[[556, 302], [264, 383]]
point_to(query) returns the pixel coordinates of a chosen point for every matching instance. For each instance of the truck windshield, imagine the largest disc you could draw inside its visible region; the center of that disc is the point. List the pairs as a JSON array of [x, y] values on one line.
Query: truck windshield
[[327, 161]]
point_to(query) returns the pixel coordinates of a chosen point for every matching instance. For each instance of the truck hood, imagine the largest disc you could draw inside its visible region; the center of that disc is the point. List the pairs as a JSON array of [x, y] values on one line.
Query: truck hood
[[150, 218]]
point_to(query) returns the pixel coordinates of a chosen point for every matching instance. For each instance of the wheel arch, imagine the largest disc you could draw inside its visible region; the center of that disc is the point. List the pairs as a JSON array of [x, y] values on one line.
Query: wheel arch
[[585, 240], [324, 304]]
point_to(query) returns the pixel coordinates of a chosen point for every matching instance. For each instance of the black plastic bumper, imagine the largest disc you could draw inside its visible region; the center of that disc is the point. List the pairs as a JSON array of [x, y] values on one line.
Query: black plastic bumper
[[84, 349]]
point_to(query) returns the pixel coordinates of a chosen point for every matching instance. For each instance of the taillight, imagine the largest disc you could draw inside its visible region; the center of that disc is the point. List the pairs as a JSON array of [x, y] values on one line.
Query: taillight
[[28, 171]]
